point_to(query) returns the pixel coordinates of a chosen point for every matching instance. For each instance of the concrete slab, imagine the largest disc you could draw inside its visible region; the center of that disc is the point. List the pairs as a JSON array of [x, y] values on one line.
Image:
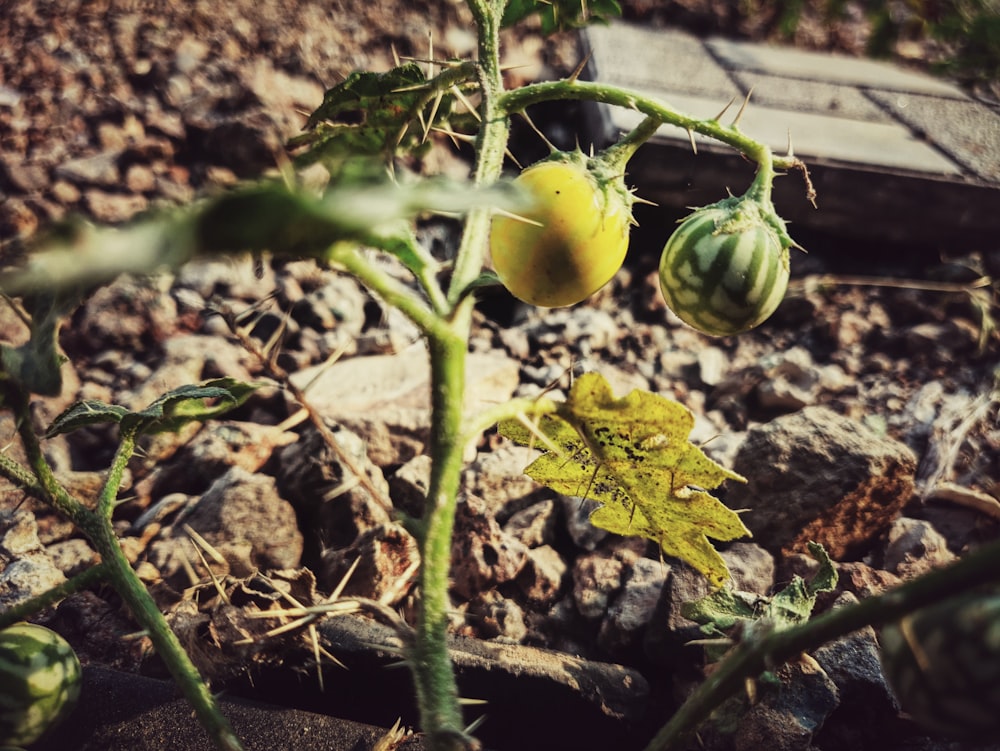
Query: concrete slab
[[896, 156], [793, 63], [967, 131], [881, 144], [660, 59], [821, 97]]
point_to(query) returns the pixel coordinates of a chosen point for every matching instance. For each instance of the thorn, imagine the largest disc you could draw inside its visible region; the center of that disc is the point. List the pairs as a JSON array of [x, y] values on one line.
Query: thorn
[[430, 120], [518, 217], [791, 152], [743, 108], [724, 109], [538, 131], [694, 146], [579, 69], [464, 100], [395, 55], [430, 53], [639, 199], [455, 137]]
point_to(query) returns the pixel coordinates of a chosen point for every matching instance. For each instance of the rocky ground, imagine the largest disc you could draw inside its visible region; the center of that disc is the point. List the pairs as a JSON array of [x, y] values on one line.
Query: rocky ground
[[864, 416]]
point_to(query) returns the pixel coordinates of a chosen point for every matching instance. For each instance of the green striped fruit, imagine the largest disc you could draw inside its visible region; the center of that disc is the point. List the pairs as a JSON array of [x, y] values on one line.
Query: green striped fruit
[[40, 678], [725, 268], [943, 663]]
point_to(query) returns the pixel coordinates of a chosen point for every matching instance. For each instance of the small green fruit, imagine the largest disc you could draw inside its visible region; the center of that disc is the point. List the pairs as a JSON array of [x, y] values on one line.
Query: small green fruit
[[40, 679], [943, 663], [725, 268]]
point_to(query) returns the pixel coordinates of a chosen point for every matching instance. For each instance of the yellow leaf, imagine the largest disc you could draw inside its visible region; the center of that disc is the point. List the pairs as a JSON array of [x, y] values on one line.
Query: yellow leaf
[[633, 456]]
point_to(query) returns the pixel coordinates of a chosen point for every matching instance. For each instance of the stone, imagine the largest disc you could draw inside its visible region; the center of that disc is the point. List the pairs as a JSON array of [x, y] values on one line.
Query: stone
[[786, 717], [914, 548], [669, 632], [338, 492], [863, 581], [25, 177], [244, 508], [816, 476], [576, 513], [386, 557], [72, 556], [386, 398], [712, 365], [790, 383], [631, 611], [852, 662], [542, 578], [499, 476], [490, 615], [535, 525], [408, 485], [139, 178], [97, 170], [483, 555], [751, 567], [597, 577], [26, 570]]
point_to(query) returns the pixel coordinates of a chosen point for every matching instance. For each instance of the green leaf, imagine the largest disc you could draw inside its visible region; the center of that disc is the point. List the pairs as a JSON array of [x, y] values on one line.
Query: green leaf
[[633, 456], [185, 404], [720, 611], [169, 412], [84, 413], [265, 217], [35, 365], [374, 115], [561, 15]]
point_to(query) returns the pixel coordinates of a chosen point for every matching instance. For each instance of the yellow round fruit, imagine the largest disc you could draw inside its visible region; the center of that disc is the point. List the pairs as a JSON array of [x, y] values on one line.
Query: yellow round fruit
[[569, 240]]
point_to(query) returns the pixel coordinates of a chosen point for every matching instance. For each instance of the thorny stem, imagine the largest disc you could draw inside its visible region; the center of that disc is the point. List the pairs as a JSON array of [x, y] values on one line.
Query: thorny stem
[[491, 143], [770, 649], [437, 691], [98, 529], [617, 156], [32, 605], [517, 100]]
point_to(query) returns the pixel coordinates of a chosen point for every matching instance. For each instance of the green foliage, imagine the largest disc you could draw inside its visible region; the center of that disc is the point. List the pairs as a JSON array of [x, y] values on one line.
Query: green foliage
[[269, 216], [169, 412], [633, 456], [34, 366], [720, 612], [560, 15], [378, 115]]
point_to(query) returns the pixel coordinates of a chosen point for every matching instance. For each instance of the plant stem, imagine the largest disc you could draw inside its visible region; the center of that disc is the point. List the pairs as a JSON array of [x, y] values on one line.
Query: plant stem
[[98, 529], [617, 155], [487, 418], [491, 143], [165, 641], [349, 256], [29, 607], [516, 100], [769, 649], [437, 693]]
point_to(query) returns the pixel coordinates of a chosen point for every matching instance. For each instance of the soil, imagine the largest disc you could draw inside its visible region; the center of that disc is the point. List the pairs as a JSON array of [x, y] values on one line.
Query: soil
[[108, 108]]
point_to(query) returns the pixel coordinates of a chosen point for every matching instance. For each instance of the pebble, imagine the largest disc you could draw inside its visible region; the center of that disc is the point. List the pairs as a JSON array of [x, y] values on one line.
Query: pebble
[[816, 476]]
